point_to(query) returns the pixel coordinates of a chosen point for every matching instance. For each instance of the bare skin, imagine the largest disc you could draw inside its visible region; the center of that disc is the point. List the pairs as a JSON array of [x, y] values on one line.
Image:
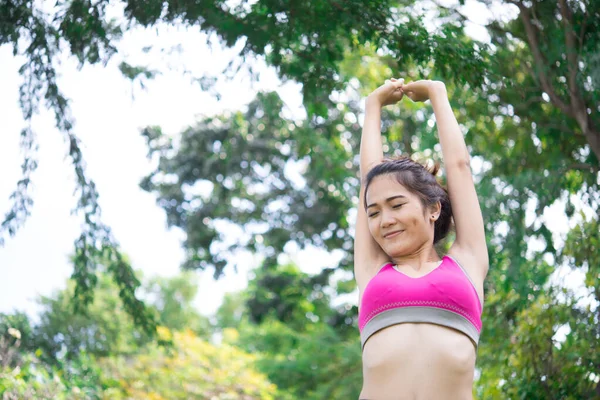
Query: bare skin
[[416, 360]]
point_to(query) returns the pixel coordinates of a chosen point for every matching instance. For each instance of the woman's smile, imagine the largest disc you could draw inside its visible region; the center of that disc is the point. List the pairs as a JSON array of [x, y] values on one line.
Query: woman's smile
[[392, 234]]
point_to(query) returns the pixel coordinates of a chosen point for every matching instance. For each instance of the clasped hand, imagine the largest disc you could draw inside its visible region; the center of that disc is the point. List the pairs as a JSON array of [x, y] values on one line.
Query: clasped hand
[[393, 90]]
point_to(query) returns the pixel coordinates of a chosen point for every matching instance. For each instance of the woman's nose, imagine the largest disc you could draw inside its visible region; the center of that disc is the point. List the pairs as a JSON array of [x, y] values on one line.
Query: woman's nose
[[387, 219]]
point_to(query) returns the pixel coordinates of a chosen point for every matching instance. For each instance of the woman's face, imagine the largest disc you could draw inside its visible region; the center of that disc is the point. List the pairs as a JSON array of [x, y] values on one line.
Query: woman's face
[[396, 217]]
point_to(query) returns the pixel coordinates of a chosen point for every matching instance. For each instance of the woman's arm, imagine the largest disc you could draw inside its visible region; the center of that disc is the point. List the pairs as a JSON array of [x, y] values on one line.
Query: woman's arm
[[367, 253], [470, 244]]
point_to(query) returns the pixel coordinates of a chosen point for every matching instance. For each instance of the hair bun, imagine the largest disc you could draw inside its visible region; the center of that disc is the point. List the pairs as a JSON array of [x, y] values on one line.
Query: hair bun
[[433, 167]]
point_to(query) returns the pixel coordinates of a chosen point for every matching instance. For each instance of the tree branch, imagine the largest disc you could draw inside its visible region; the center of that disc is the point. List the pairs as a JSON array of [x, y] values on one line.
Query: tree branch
[[564, 129], [540, 62], [572, 56], [582, 167], [525, 105], [577, 108], [578, 103], [582, 31]]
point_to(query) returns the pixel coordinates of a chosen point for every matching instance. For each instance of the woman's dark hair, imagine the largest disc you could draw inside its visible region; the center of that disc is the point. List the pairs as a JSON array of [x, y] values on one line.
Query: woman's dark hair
[[419, 180]]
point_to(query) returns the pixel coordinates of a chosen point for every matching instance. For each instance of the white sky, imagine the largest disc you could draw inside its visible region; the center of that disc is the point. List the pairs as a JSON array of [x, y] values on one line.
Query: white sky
[[108, 121]]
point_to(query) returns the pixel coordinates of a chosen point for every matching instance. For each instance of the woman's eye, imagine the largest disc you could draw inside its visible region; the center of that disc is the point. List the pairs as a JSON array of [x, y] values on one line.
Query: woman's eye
[[398, 205], [373, 214]]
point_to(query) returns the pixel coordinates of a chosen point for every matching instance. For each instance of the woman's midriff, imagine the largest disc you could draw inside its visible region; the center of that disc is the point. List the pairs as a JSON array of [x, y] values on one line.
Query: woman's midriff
[[418, 361]]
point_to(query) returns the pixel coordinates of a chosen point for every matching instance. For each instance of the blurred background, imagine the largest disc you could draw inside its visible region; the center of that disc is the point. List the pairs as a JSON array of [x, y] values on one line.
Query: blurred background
[[179, 188]]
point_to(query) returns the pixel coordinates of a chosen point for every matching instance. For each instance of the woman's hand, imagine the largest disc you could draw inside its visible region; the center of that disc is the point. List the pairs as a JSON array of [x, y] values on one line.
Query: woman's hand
[[422, 90], [388, 93]]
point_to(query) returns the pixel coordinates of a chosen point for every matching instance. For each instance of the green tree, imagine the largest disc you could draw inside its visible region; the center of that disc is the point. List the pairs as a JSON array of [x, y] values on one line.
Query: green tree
[[304, 40], [527, 102], [15, 329], [540, 360], [232, 311], [193, 368], [288, 295], [31, 383], [535, 124], [248, 156], [288, 322], [105, 329], [173, 298], [23, 375], [313, 363]]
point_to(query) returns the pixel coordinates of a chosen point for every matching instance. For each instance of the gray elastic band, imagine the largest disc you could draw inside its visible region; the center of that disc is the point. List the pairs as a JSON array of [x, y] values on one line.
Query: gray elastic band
[[431, 315]]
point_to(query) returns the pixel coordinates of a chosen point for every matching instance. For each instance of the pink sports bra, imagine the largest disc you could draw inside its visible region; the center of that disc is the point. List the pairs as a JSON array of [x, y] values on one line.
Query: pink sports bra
[[445, 296]]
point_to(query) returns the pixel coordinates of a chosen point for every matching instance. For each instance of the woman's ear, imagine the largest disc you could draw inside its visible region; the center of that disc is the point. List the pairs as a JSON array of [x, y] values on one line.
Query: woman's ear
[[435, 211]]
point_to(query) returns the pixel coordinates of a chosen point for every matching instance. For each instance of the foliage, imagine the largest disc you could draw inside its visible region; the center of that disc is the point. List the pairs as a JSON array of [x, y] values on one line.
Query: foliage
[[247, 173], [527, 102], [581, 247], [105, 329], [40, 37], [65, 340], [313, 363], [29, 377], [231, 312], [19, 384], [14, 330], [173, 299], [540, 360], [305, 41], [193, 368]]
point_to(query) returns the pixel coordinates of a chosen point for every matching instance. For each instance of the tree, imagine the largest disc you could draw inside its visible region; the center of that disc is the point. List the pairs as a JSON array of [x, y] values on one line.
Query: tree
[[316, 362], [288, 322], [303, 40], [30, 383], [193, 368], [514, 284], [527, 102], [14, 330], [247, 156], [538, 80], [23, 375], [105, 329], [232, 311], [173, 298]]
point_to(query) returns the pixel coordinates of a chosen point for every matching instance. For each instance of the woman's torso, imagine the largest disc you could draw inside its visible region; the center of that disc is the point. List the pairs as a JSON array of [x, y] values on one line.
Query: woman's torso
[[419, 360]]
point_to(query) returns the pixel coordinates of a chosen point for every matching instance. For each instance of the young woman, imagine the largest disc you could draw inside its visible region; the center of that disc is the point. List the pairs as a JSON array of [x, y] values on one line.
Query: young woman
[[419, 313]]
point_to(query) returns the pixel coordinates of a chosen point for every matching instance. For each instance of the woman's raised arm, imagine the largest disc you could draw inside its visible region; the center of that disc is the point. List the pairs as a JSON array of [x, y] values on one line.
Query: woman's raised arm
[[367, 253], [470, 244]]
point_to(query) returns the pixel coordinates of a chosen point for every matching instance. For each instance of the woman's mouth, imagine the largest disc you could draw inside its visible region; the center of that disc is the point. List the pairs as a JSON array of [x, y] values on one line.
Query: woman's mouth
[[392, 234]]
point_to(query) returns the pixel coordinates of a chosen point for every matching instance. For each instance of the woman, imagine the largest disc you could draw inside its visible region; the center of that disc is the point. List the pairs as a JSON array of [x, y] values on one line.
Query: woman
[[419, 313]]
